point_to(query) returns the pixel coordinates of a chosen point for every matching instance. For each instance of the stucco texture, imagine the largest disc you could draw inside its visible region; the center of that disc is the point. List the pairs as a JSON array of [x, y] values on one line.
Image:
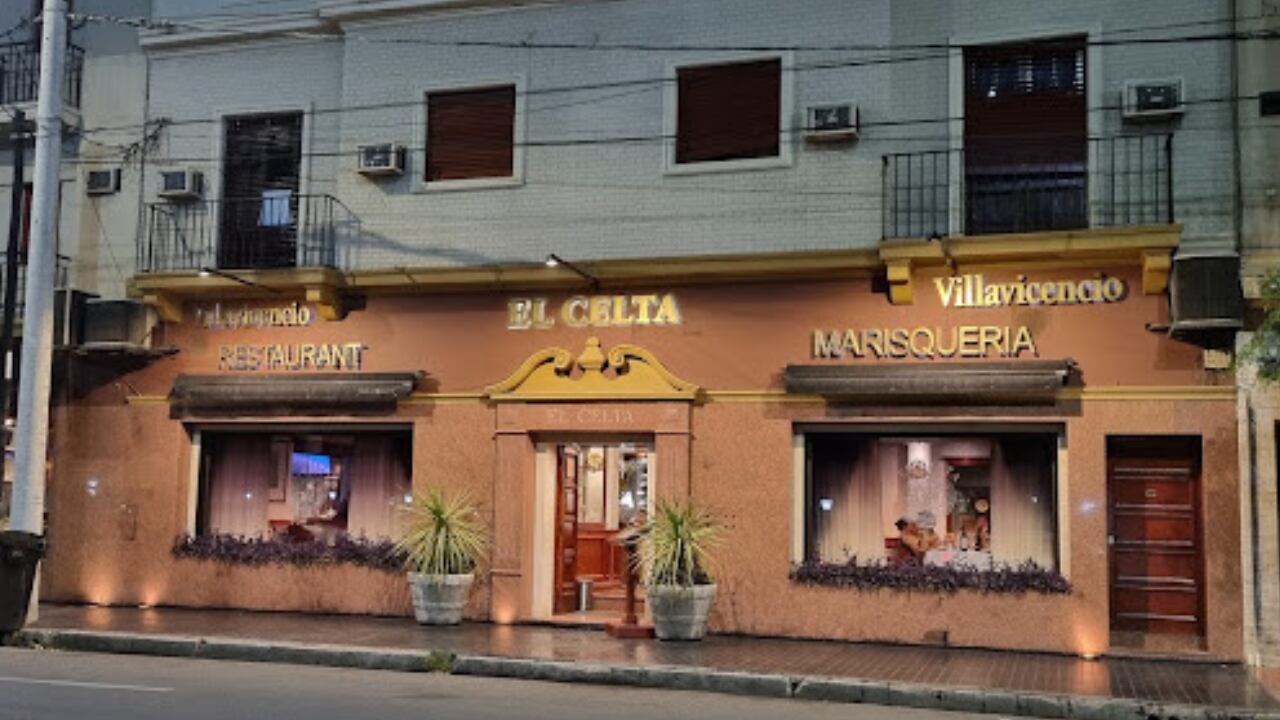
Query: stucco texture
[[732, 450]]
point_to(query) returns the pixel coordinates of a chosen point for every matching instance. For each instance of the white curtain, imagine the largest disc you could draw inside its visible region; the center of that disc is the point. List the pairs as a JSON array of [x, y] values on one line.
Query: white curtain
[[844, 473], [1022, 502], [241, 467], [379, 483]]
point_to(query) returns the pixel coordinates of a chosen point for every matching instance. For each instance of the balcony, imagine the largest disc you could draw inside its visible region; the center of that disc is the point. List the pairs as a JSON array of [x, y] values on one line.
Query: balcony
[[273, 232], [60, 281], [20, 79], [1127, 181]]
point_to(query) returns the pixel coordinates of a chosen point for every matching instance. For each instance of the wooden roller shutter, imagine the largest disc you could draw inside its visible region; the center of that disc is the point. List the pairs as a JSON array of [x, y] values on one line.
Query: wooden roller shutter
[[728, 112], [1026, 100], [471, 134]]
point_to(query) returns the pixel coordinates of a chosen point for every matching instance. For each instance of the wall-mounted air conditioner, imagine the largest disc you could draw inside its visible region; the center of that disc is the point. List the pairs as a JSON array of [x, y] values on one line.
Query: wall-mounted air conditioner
[[381, 159], [1206, 303], [1152, 99], [831, 122], [181, 184], [102, 182]]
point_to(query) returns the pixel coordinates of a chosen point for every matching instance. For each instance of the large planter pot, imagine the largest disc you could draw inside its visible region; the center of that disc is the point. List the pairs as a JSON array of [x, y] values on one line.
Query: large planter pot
[[680, 613], [439, 599]]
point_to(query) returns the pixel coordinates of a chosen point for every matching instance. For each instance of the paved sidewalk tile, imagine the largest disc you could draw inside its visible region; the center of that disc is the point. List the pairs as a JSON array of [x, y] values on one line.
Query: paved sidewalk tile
[[1164, 682]]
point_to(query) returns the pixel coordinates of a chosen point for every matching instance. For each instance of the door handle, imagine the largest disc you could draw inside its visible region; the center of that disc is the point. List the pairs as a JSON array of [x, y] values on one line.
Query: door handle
[[1111, 540]]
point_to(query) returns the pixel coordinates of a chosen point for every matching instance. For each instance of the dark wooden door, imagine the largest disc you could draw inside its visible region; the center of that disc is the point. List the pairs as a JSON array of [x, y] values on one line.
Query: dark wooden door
[[1156, 553], [261, 176], [566, 530]]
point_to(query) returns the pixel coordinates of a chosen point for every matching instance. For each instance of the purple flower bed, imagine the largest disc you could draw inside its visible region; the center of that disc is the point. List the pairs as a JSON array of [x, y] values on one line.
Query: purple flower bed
[[917, 577], [236, 550]]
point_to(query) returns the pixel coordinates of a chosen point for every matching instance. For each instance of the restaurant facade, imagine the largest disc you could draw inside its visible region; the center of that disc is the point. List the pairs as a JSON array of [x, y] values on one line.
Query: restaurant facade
[[984, 443]]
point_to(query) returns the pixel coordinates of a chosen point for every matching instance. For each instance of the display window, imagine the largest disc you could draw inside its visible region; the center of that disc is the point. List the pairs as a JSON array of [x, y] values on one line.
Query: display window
[[976, 500], [304, 486]]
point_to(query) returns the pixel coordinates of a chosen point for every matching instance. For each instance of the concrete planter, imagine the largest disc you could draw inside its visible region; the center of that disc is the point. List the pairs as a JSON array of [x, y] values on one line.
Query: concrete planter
[[680, 613], [439, 599]]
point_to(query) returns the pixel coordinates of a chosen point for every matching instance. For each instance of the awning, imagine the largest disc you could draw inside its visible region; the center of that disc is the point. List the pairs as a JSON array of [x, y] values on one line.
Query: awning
[[1021, 382], [271, 395]]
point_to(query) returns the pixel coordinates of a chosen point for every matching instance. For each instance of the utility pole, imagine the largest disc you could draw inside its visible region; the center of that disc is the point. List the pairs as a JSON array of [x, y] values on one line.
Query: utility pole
[[35, 376], [18, 146]]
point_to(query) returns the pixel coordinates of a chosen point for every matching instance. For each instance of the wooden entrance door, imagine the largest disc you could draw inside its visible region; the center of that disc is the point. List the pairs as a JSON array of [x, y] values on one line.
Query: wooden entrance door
[[566, 599], [1156, 557]]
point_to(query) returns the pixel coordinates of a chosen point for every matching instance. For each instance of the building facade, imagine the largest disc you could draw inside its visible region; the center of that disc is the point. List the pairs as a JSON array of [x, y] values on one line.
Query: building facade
[[885, 286]]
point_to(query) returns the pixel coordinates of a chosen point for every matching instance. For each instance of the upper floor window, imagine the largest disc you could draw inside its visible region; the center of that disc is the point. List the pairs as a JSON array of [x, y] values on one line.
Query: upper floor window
[[729, 111], [471, 134]]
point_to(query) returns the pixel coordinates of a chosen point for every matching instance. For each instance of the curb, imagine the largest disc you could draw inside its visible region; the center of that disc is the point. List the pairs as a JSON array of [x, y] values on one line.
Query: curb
[[973, 700]]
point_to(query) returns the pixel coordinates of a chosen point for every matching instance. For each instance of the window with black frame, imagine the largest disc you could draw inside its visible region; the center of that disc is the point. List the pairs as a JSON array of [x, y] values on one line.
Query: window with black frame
[[304, 486], [974, 500]]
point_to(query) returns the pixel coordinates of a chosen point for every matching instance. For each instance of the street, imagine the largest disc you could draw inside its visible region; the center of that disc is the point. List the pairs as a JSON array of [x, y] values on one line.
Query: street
[[41, 684]]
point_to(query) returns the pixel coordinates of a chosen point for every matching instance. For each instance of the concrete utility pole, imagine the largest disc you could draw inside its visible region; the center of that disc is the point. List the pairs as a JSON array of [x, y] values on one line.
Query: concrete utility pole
[[32, 431]]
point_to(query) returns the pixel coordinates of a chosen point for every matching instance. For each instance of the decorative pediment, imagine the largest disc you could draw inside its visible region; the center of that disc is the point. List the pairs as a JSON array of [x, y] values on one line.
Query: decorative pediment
[[627, 372]]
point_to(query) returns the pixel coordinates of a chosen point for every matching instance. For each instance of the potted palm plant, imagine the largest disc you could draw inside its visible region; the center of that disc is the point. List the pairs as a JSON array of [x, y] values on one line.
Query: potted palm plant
[[444, 541], [676, 550]]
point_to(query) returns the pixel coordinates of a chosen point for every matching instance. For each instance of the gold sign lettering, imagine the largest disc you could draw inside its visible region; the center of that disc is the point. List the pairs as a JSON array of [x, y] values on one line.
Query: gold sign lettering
[[296, 357], [973, 291], [926, 343], [218, 317], [583, 311]]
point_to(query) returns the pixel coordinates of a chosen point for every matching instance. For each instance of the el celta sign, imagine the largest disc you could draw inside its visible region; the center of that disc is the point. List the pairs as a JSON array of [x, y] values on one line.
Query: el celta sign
[[583, 311]]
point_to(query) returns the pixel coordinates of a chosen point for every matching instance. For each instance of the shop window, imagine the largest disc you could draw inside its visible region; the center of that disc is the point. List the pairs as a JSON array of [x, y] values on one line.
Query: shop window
[[304, 486], [471, 134], [728, 112], [975, 500]]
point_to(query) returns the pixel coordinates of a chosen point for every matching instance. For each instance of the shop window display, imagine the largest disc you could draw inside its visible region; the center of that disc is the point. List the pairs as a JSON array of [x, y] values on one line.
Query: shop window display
[[974, 501], [304, 487]]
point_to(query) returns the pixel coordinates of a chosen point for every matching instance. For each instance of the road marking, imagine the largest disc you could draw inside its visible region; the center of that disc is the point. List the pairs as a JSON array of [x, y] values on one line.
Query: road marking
[[85, 685]]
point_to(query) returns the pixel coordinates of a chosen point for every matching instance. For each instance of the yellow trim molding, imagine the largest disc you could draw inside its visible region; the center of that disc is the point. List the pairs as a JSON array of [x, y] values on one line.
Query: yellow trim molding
[[553, 374], [1149, 247]]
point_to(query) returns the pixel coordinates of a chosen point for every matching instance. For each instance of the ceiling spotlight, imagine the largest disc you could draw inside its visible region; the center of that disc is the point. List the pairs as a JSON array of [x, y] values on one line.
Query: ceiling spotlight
[[553, 260]]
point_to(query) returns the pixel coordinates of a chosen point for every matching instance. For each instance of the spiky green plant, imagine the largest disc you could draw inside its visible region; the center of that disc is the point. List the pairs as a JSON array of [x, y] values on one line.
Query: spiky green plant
[[677, 544], [445, 535]]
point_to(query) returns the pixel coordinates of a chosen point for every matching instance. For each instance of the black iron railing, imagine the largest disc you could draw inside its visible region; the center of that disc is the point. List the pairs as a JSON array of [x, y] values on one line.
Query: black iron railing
[[61, 273], [1123, 181], [20, 74], [278, 230]]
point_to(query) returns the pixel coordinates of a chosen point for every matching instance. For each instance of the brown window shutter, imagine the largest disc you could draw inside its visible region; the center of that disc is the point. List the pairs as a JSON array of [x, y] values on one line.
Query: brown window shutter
[[1026, 101], [728, 112], [471, 134]]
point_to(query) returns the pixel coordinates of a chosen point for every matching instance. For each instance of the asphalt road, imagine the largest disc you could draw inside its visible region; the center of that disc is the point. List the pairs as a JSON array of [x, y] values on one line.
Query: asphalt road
[[38, 684]]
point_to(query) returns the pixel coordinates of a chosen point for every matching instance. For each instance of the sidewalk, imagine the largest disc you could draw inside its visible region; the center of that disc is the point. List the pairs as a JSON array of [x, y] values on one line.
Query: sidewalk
[[1009, 683]]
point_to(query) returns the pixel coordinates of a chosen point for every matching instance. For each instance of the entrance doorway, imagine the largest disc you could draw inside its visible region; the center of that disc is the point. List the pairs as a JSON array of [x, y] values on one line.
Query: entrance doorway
[[1156, 550], [601, 488]]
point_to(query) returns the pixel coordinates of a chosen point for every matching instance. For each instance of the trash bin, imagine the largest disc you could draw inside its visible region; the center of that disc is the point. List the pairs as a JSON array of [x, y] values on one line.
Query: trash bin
[[584, 594], [20, 552]]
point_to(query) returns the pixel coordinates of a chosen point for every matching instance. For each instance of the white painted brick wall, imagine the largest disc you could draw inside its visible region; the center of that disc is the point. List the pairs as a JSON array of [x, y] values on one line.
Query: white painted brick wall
[[614, 200]]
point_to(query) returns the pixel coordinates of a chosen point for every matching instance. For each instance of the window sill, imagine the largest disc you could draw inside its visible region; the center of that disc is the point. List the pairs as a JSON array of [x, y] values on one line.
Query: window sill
[[505, 183], [723, 166]]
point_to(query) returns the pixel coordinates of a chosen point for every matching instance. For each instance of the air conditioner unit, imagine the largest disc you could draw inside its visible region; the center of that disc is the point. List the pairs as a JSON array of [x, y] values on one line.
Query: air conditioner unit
[[1152, 99], [1205, 300], [181, 184], [102, 182], [832, 122], [381, 159]]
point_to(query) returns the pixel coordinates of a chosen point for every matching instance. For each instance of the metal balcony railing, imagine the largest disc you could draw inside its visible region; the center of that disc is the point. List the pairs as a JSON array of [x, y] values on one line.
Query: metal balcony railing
[[61, 278], [20, 74], [1126, 180], [274, 231]]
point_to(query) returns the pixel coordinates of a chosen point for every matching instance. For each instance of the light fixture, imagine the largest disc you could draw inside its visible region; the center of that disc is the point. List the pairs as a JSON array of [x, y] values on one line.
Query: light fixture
[[204, 272], [207, 271], [554, 261]]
